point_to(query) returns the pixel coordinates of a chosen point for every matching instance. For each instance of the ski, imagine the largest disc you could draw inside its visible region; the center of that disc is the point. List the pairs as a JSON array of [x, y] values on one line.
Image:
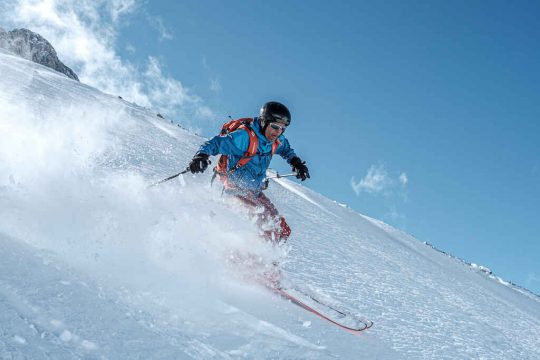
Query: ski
[[342, 319]]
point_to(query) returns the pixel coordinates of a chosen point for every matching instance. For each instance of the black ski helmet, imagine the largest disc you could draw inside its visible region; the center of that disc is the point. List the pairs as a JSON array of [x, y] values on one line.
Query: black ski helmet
[[274, 111]]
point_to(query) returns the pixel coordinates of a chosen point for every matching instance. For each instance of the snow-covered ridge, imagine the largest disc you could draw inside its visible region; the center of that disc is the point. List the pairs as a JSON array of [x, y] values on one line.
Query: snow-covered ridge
[[473, 266], [34, 47], [489, 273], [97, 266]]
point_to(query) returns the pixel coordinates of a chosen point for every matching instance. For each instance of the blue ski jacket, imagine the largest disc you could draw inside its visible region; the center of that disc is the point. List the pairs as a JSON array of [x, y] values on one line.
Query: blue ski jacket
[[235, 144]]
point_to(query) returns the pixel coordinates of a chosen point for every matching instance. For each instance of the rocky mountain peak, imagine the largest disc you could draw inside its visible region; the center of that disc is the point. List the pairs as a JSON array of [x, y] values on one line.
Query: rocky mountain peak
[[34, 47]]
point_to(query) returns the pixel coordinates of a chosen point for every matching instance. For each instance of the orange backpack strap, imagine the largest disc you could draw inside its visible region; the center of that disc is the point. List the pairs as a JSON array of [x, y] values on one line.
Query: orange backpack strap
[[229, 127], [252, 147], [275, 145]]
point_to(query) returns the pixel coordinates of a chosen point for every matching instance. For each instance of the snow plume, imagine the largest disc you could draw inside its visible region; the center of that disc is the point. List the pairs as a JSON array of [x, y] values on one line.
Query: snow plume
[[65, 186], [84, 34]]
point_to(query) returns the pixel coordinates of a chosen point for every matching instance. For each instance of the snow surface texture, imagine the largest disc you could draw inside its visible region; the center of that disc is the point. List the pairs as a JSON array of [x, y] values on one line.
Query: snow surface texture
[[95, 265], [34, 47]]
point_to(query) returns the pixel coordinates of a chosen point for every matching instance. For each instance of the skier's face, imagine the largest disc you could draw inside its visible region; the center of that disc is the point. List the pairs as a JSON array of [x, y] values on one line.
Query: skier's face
[[273, 130]]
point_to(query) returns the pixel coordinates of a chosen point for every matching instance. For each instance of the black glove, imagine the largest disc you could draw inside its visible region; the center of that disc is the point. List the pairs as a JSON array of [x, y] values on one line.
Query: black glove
[[300, 168], [199, 163]]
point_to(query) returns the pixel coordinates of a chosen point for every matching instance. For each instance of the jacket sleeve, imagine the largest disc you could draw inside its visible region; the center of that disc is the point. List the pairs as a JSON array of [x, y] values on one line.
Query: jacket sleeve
[[235, 143], [285, 150]]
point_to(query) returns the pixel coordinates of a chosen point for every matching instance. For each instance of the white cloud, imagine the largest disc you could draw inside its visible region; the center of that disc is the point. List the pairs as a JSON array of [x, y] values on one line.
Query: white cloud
[[394, 215], [378, 182], [122, 7], [158, 23], [131, 49], [375, 181], [215, 85], [403, 179], [84, 34], [205, 63]]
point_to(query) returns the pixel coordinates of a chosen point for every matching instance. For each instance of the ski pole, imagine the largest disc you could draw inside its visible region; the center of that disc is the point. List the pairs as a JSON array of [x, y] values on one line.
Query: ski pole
[[169, 178], [277, 176], [266, 180]]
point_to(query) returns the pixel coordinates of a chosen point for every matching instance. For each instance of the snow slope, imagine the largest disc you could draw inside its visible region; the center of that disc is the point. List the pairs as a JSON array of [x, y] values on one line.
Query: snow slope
[[96, 265]]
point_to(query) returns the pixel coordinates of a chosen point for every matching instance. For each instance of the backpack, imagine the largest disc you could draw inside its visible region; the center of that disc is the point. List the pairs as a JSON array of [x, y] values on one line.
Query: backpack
[[223, 162]]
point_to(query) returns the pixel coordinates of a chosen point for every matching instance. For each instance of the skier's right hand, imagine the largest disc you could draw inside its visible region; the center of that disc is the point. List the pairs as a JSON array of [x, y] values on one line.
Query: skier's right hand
[[199, 163]]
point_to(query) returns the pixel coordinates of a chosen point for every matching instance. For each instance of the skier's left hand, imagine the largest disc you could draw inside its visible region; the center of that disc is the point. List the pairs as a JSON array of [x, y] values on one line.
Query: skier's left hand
[[300, 168]]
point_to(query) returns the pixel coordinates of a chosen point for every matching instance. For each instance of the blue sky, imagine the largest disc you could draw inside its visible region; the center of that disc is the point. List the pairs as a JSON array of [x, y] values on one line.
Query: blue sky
[[424, 114]]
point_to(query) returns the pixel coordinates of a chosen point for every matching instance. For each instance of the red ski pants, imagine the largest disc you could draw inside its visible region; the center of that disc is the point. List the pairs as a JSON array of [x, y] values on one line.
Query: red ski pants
[[273, 226]]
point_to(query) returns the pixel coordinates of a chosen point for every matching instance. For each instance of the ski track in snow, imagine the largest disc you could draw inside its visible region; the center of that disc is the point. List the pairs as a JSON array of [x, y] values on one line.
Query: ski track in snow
[[97, 266]]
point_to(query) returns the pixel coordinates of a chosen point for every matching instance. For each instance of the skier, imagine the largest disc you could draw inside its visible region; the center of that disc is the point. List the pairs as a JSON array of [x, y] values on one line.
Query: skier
[[246, 147]]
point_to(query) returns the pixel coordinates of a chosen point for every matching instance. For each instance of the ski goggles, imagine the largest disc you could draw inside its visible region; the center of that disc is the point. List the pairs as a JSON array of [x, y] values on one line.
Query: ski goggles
[[275, 126]]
